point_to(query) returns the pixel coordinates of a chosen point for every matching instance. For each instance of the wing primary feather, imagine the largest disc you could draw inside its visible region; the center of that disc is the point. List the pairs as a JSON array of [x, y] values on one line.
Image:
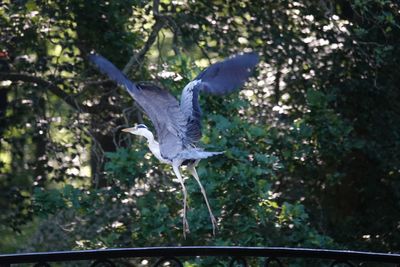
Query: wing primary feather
[[228, 75], [108, 68]]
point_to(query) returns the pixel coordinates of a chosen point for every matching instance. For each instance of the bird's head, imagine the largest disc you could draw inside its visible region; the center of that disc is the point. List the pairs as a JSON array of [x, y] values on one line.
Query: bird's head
[[139, 129]]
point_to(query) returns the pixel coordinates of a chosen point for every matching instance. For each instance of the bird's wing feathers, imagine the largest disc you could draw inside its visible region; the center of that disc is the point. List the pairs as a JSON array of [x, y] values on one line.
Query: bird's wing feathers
[[220, 78], [111, 71], [191, 110], [160, 106], [228, 75]]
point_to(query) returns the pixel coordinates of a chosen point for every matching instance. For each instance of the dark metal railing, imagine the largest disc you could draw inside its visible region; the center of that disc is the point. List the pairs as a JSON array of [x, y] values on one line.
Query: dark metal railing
[[239, 256]]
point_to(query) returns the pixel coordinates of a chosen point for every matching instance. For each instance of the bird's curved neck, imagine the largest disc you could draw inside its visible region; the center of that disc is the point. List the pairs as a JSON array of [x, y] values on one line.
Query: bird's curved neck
[[154, 146]]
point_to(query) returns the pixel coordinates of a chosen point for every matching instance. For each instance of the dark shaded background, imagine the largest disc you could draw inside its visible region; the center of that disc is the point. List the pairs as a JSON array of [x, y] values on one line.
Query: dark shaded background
[[312, 141]]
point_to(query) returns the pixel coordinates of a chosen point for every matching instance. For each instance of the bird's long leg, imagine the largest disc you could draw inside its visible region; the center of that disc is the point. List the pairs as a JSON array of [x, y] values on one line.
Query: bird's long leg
[[193, 171], [178, 175]]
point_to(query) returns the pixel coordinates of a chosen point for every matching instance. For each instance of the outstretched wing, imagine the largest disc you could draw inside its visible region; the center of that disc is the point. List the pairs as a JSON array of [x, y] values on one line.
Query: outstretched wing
[[160, 106], [220, 78]]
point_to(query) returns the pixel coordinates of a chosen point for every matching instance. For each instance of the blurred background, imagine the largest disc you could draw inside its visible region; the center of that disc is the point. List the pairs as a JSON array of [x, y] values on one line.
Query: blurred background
[[312, 142]]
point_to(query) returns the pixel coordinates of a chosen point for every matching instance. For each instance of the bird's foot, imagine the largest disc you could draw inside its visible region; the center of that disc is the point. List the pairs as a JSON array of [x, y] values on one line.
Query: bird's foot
[[185, 227], [214, 223]]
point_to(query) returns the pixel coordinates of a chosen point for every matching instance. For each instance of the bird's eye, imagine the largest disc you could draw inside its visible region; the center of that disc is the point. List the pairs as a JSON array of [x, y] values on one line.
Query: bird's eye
[[142, 126]]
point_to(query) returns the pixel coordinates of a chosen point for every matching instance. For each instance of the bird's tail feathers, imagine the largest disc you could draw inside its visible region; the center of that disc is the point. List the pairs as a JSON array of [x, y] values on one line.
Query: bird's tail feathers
[[211, 154], [198, 154]]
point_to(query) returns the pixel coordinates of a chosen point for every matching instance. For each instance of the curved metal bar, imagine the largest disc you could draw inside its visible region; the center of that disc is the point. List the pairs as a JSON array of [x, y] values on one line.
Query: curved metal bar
[[103, 263], [168, 259], [272, 259], [239, 260], [337, 262], [218, 251]]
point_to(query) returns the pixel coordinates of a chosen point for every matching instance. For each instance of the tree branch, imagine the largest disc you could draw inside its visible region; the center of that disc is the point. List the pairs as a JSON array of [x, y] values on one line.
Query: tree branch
[[138, 57], [157, 26], [69, 99]]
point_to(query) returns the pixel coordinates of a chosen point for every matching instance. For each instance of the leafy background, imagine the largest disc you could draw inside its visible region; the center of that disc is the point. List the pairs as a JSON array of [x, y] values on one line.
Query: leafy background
[[312, 141]]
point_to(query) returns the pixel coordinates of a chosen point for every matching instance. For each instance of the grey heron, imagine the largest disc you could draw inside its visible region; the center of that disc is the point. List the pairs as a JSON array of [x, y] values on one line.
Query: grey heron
[[178, 125]]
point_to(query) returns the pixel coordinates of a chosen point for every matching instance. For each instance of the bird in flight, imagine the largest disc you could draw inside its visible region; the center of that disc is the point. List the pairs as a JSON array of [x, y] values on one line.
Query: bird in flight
[[178, 125]]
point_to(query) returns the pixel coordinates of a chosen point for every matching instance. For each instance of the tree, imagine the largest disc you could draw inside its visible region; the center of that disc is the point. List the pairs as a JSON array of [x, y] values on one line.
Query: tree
[[312, 143]]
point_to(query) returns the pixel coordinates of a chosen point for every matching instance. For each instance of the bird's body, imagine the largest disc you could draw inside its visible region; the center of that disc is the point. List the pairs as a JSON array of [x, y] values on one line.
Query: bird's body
[[177, 124]]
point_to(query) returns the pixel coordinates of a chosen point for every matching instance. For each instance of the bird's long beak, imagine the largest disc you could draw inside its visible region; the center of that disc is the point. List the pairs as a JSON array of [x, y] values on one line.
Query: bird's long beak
[[128, 130]]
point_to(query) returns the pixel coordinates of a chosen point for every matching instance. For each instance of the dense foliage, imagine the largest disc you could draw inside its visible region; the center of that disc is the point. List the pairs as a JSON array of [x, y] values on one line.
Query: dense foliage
[[312, 142]]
